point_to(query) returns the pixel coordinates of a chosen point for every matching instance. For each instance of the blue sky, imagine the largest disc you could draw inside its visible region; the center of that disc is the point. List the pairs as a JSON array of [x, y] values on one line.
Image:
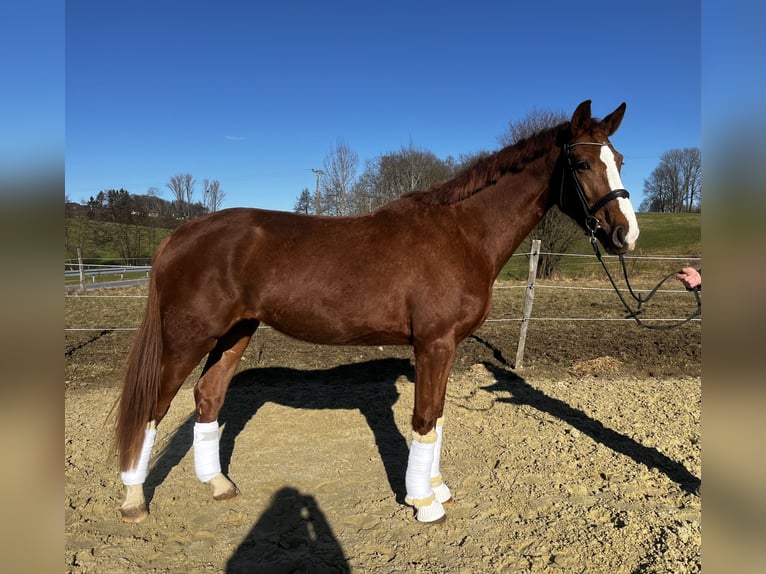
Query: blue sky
[[256, 94]]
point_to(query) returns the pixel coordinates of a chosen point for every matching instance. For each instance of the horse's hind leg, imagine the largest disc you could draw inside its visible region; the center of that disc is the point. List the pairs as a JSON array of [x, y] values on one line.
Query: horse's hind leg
[[209, 394], [174, 373]]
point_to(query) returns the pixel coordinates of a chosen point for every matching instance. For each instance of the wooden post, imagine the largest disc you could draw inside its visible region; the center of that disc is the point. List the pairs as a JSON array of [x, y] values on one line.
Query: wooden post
[[82, 270], [528, 300]]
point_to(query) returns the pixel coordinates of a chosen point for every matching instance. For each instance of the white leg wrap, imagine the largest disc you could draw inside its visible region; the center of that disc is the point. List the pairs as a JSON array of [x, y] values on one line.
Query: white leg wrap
[[435, 471], [441, 491], [207, 462], [137, 475], [418, 476], [420, 493]]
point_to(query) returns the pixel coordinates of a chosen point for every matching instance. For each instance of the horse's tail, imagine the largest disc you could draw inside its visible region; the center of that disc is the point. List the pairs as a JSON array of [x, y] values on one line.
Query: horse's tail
[[141, 386]]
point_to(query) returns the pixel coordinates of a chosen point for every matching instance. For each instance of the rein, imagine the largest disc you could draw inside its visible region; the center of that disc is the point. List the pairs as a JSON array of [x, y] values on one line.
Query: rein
[[641, 300], [592, 223]]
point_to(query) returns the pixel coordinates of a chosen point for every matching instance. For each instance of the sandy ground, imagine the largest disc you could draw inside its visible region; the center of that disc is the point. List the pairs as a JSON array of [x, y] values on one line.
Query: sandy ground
[[589, 471]]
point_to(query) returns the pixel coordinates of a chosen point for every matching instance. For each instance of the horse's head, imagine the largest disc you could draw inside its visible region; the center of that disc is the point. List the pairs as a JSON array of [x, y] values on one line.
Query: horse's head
[[590, 189]]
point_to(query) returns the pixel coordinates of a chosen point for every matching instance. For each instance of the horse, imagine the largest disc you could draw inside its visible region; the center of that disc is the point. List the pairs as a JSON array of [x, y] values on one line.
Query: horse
[[417, 271]]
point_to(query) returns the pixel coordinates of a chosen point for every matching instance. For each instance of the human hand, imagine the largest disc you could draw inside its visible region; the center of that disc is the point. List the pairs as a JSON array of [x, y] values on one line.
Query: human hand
[[689, 277]]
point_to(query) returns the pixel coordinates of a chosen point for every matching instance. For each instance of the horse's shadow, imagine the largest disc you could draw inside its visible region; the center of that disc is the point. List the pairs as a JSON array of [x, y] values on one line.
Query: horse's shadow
[[522, 393], [369, 387]]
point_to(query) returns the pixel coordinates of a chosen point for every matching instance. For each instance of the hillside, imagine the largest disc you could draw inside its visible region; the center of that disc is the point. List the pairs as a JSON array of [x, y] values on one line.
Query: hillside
[[108, 242]]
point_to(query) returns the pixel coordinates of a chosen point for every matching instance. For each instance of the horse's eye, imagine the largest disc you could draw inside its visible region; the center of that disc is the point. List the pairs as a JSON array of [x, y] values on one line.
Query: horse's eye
[[582, 166]]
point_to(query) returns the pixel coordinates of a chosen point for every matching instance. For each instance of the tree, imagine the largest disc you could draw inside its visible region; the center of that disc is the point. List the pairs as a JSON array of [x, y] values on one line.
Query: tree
[[556, 231], [96, 206], [119, 205], [305, 203], [182, 186], [151, 207], [337, 179], [535, 121], [212, 195], [127, 239], [389, 176], [410, 169], [675, 185]]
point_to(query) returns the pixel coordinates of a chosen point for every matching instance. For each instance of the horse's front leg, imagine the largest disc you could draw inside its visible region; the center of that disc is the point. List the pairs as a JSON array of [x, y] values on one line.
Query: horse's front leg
[[426, 490]]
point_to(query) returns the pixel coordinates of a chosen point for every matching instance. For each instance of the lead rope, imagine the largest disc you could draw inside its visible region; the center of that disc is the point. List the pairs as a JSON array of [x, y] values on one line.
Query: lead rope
[[634, 314]]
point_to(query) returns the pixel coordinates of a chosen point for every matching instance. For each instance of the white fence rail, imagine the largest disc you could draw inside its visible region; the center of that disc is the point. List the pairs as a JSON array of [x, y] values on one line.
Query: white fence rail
[[79, 269]]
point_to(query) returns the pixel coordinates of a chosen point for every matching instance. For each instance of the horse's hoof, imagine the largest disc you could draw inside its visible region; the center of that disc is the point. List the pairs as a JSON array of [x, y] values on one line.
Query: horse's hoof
[[431, 514], [442, 493], [228, 496], [224, 490], [134, 514]]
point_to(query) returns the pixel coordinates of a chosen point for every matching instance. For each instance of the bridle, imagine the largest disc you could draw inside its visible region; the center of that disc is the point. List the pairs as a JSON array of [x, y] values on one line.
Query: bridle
[[593, 223]]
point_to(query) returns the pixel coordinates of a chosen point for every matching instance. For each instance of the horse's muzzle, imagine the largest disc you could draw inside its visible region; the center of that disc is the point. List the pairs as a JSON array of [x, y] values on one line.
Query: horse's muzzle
[[616, 242]]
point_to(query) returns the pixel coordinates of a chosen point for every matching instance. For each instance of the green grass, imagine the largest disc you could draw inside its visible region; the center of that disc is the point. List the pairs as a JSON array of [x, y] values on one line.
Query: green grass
[[670, 233]]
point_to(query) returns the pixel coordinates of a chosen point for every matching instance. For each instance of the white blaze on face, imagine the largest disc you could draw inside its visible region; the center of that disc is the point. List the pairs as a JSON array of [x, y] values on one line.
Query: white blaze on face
[[615, 182]]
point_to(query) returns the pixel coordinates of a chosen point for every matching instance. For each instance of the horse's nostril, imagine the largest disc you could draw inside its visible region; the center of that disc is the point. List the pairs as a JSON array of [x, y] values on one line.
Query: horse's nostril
[[618, 237]]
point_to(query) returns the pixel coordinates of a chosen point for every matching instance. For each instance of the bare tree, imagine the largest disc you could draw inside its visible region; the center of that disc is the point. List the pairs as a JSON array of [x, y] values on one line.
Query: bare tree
[[337, 179], [212, 195], [411, 169], [189, 191], [675, 185], [556, 231], [535, 121], [389, 176], [182, 186]]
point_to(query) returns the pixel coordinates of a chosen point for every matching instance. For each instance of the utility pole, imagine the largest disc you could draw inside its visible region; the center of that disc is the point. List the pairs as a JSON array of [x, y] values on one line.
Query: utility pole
[[317, 202]]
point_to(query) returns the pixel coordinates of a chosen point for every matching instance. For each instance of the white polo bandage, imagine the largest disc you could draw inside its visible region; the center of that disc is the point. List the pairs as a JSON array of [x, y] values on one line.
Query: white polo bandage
[[436, 475], [137, 474], [418, 477], [207, 462], [441, 491]]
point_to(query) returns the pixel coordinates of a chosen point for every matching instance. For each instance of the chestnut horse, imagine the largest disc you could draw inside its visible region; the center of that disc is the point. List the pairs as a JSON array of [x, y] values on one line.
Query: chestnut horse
[[417, 271]]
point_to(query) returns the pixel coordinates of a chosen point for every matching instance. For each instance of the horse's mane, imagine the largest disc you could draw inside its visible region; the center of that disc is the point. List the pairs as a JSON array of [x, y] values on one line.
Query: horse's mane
[[487, 170]]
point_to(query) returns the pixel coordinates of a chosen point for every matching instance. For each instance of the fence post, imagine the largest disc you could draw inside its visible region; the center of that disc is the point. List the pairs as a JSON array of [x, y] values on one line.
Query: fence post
[[82, 270], [528, 300]]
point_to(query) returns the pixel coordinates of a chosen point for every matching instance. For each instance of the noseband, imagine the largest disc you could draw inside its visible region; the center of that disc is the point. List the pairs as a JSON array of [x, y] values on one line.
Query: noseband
[[592, 223]]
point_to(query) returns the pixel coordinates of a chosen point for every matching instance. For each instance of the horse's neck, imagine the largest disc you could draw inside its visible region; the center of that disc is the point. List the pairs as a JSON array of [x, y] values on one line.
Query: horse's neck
[[502, 215]]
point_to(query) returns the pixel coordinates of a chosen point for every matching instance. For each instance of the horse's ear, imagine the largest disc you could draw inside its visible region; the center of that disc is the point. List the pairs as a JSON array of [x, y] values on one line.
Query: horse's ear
[[611, 122], [580, 116]]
